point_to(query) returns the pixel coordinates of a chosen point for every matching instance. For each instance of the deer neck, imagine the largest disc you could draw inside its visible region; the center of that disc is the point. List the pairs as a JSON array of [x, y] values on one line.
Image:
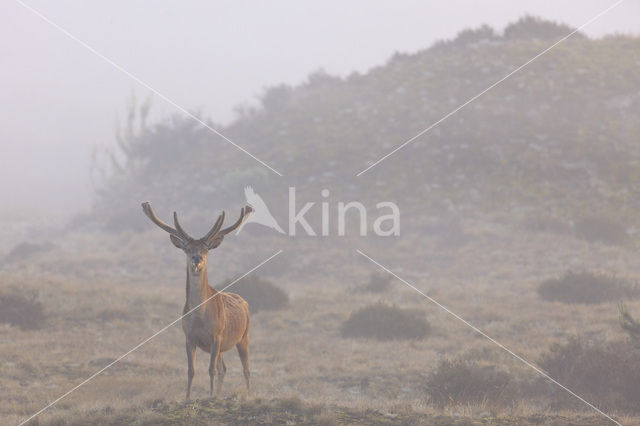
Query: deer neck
[[198, 289]]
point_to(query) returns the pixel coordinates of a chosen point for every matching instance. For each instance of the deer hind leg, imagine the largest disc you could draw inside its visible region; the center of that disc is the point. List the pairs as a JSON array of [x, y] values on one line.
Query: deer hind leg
[[191, 361], [215, 354], [243, 352], [222, 370]]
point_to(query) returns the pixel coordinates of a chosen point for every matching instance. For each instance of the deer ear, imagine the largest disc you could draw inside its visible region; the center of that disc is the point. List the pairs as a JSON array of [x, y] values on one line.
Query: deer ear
[[177, 241], [215, 242]]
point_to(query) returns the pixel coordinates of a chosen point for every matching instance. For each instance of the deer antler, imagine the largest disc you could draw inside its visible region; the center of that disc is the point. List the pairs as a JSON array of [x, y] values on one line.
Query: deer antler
[[216, 233], [179, 228], [177, 231], [243, 213], [215, 229]]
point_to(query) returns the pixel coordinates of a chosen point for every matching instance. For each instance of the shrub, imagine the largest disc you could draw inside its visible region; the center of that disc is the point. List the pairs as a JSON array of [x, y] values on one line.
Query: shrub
[[464, 382], [587, 287], [25, 250], [259, 293], [601, 229], [608, 373], [378, 283], [22, 309], [384, 322]]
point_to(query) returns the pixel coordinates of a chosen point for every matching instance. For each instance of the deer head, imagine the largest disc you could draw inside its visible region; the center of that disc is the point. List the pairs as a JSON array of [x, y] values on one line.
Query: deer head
[[196, 249]]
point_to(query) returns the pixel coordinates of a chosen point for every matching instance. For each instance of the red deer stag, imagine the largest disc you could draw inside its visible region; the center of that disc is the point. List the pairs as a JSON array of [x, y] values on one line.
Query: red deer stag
[[223, 319]]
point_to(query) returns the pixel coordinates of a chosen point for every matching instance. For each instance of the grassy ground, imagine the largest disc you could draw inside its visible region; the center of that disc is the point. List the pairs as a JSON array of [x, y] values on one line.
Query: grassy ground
[[288, 411], [105, 294]]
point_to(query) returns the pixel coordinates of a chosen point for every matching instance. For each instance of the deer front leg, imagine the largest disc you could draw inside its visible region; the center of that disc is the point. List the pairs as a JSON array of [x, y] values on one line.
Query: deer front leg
[[215, 353], [191, 362]]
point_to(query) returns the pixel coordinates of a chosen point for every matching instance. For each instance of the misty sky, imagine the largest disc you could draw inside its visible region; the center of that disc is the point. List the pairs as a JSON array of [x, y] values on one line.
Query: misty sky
[[59, 100]]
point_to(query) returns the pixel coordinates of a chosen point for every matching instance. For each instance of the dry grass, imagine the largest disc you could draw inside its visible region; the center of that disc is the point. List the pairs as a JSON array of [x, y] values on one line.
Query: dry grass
[[103, 301]]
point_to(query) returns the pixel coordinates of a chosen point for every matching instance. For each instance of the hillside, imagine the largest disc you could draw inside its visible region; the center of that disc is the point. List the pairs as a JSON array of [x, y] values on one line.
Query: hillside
[[559, 136]]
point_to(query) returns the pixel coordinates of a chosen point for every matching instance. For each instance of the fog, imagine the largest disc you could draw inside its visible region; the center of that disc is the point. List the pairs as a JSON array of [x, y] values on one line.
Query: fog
[[59, 100], [431, 215]]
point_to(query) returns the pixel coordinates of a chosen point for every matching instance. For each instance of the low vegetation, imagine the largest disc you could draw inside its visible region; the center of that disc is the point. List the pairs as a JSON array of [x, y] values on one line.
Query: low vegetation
[[292, 410], [463, 382], [587, 288], [602, 229], [521, 153], [606, 372], [21, 308], [384, 322], [260, 294]]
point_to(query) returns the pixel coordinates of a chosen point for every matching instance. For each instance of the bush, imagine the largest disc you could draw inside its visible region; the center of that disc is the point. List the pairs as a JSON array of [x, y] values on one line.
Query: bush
[[588, 288], [22, 309], [260, 294], [608, 373], [26, 250], [464, 382], [601, 229], [378, 283], [384, 322]]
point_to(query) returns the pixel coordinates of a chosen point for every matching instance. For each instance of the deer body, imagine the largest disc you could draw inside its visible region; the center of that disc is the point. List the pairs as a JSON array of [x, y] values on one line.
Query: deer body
[[212, 321]]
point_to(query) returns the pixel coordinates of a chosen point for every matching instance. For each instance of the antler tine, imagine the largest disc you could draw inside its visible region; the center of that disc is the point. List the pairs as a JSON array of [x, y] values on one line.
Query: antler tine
[[243, 213], [148, 211], [182, 232], [215, 229]]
